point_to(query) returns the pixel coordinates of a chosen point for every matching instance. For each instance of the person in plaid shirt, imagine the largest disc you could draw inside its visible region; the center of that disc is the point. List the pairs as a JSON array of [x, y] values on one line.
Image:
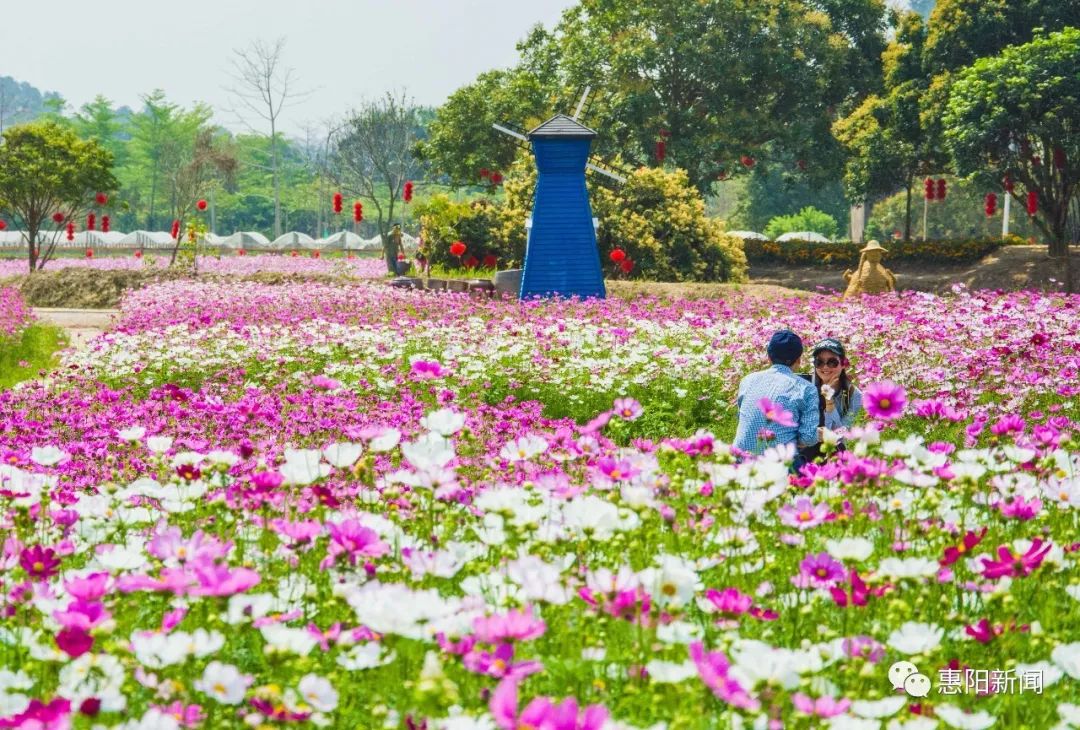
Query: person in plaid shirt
[[775, 405]]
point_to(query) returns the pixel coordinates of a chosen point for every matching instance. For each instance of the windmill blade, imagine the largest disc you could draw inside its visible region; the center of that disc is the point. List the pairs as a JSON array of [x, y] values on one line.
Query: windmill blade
[[512, 132], [602, 171], [581, 103], [608, 167]]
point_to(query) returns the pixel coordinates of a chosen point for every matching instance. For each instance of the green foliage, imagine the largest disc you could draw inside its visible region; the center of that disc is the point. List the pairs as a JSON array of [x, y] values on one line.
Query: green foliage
[[1018, 113], [779, 189], [28, 352], [807, 219], [45, 168], [475, 223], [803, 253]]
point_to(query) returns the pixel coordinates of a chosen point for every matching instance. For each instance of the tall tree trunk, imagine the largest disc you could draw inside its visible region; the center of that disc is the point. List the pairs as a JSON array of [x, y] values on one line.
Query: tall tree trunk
[[907, 210], [153, 196], [31, 247]]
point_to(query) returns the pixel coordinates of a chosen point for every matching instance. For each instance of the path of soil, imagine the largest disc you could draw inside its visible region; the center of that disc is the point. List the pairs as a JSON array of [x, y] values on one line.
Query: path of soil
[[81, 325]]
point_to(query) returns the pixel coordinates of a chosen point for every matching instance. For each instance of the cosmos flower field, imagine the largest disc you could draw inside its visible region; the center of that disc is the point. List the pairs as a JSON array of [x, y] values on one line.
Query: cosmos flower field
[[355, 507]]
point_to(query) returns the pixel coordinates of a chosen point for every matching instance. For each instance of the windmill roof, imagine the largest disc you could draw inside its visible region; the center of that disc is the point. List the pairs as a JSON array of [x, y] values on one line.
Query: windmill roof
[[561, 125]]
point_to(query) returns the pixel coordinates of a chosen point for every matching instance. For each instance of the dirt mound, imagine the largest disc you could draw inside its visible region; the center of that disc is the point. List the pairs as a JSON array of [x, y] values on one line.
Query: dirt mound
[[1010, 268]]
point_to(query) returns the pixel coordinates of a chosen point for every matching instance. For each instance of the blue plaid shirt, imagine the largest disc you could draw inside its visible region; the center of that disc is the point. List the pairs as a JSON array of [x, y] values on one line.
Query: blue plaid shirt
[[795, 395]]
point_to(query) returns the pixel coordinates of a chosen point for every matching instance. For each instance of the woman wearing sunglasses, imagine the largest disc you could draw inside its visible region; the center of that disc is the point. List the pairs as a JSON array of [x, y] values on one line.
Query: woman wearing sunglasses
[[839, 401]]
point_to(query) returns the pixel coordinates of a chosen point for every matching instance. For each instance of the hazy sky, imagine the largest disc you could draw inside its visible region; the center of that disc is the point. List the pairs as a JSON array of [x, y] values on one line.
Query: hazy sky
[[345, 50]]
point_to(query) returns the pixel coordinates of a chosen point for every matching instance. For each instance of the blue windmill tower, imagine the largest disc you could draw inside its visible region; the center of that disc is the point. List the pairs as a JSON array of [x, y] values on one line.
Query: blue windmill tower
[[561, 256]]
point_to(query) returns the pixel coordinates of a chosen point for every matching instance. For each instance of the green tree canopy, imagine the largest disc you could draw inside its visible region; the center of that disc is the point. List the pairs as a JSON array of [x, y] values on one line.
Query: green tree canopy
[[46, 169]]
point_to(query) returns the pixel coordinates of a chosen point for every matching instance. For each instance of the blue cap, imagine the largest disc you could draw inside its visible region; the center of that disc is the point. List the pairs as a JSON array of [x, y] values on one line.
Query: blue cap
[[785, 346]]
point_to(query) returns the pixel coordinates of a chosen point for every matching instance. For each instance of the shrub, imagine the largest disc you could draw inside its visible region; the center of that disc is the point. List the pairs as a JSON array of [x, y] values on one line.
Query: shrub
[[807, 219], [444, 221], [802, 253]]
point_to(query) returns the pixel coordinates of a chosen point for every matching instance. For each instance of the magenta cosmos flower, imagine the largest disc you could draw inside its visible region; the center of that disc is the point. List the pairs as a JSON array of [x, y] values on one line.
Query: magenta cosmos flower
[[885, 400], [822, 706], [1013, 565], [776, 413], [713, 669], [38, 562], [819, 571]]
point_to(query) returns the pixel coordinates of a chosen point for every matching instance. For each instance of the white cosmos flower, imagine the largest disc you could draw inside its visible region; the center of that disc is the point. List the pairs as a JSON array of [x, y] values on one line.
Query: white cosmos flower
[[286, 639], [914, 637], [46, 455], [318, 692], [303, 466], [524, 448], [429, 451], [878, 709], [132, 434], [159, 444], [387, 440], [444, 422], [364, 656], [1051, 674], [673, 583], [1067, 656], [848, 722], [224, 683], [850, 548], [953, 716], [343, 454], [908, 567], [221, 456], [666, 672], [912, 722]]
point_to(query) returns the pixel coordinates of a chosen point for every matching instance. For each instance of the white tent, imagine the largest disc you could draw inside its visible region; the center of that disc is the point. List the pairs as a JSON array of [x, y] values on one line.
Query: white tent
[[12, 239], [213, 239], [294, 239], [810, 236], [147, 239], [90, 238], [113, 238], [752, 235], [245, 240], [342, 240]]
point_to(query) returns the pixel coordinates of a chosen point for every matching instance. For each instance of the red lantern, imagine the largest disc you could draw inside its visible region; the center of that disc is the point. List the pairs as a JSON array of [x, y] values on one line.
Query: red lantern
[[70, 231], [617, 255], [3, 224], [294, 254], [928, 189], [175, 230], [58, 217], [457, 248], [91, 220], [316, 254], [490, 261], [941, 188], [747, 161], [358, 211], [201, 205], [627, 266], [406, 194], [471, 262], [1008, 183], [104, 224], [991, 204], [242, 252], [337, 202], [661, 150], [89, 253], [101, 198], [496, 178], [138, 254], [484, 172], [1032, 202], [1059, 158]]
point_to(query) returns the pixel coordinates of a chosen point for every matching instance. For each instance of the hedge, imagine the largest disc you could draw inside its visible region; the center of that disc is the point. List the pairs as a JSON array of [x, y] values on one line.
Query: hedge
[[845, 253]]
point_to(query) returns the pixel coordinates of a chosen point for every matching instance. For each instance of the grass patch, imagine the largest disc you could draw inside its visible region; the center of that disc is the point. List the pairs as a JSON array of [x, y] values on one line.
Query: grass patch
[[29, 352]]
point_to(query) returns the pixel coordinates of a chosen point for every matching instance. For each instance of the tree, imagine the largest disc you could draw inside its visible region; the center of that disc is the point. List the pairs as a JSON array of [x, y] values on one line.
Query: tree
[[212, 157], [46, 169], [373, 158], [807, 219], [1016, 114], [264, 88], [98, 120]]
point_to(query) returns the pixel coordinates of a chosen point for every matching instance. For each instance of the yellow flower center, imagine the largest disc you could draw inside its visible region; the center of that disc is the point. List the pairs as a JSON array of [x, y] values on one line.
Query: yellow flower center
[[805, 516], [884, 403], [39, 566]]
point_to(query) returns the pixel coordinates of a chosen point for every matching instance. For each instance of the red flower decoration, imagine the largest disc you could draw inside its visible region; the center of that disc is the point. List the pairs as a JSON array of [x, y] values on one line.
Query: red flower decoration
[[101, 198], [457, 248], [337, 202], [3, 224], [201, 205], [104, 224], [496, 178], [358, 211], [617, 255], [138, 254], [941, 189], [1032, 202], [91, 220], [294, 254], [241, 252], [747, 161], [406, 194], [175, 229], [58, 217], [89, 253], [316, 254], [484, 172], [490, 261], [928, 189], [627, 266], [991, 204], [661, 150], [471, 262], [70, 231]]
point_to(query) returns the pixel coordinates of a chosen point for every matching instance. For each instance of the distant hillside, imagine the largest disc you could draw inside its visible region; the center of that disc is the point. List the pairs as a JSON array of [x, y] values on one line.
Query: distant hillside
[[20, 102]]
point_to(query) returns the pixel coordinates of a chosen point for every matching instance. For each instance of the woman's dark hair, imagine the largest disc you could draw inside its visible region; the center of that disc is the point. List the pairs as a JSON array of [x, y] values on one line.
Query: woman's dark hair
[[843, 393]]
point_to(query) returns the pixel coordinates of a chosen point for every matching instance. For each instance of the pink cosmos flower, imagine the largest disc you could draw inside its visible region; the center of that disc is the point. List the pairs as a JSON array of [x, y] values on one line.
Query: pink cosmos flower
[[776, 413], [858, 592], [864, 647], [541, 712], [616, 469], [1020, 509], [354, 540], [713, 669], [54, 716], [1009, 423], [499, 663], [971, 539], [819, 571], [1016, 566], [325, 382], [74, 642], [627, 408], [38, 562], [514, 625], [221, 580], [821, 707], [427, 370], [804, 514], [186, 715], [884, 400], [90, 588]]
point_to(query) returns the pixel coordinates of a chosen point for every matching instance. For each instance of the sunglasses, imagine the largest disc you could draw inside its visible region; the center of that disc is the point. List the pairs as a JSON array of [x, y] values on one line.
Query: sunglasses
[[830, 363]]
